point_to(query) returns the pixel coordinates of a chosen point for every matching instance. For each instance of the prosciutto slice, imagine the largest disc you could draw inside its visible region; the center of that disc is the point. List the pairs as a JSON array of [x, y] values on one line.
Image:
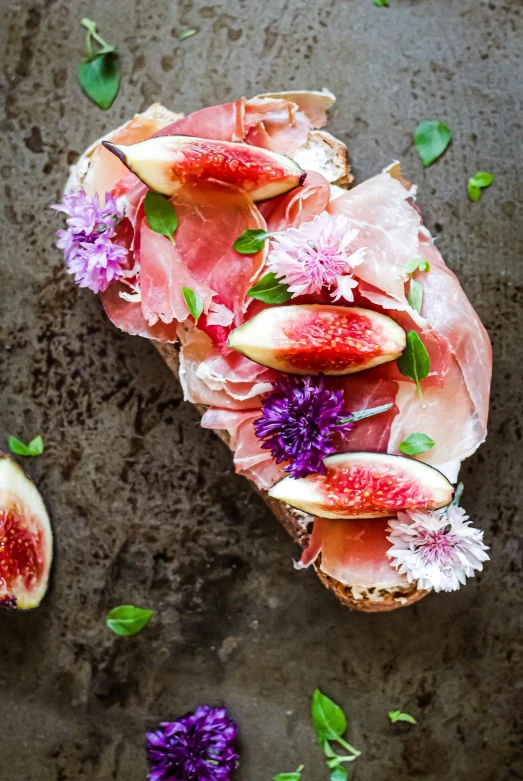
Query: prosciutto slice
[[300, 205], [219, 123]]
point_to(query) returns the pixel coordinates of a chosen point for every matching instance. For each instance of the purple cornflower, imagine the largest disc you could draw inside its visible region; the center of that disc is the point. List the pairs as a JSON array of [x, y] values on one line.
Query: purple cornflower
[[299, 417], [197, 747], [89, 253]]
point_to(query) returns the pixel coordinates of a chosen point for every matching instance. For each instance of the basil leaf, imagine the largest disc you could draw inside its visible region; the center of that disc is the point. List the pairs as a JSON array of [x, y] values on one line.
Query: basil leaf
[[270, 290], [34, 448], [458, 493], [194, 302], [415, 295], [337, 760], [415, 444], [328, 718], [251, 241], [396, 715], [339, 774], [100, 78], [381, 3], [366, 413], [127, 620], [416, 264], [160, 214], [415, 361], [475, 184], [186, 34], [431, 139], [296, 776]]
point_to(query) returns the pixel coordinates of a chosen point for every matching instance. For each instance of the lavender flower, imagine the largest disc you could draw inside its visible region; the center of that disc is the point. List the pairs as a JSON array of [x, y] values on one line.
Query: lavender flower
[[89, 253], [438, 549], [299, 417], [197, 747]]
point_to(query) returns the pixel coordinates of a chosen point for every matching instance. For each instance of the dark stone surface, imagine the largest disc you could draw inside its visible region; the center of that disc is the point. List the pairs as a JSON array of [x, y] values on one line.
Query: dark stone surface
[[145, 506]]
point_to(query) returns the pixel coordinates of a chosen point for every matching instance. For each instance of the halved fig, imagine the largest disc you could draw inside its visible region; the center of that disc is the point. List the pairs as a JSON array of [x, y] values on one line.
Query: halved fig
[[26, 540], [366, 485], [314, 338], [165, 163]]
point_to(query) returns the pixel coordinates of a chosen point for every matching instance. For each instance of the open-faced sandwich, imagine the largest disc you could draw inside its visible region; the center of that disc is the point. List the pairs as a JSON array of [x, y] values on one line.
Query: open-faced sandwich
[[316, 328]]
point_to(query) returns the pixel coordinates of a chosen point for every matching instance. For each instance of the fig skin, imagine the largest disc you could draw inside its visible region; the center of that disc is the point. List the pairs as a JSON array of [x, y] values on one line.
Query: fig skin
[[26, 540], [166, 163]]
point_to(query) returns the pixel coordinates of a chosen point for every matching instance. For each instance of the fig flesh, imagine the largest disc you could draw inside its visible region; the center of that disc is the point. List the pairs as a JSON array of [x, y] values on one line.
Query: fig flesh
[[314, 338], [26, 541], [165, 163], [366, 485]]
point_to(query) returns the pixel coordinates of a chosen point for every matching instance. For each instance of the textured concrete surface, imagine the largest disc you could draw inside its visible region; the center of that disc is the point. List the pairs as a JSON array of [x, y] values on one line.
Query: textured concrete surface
[[145, 506]]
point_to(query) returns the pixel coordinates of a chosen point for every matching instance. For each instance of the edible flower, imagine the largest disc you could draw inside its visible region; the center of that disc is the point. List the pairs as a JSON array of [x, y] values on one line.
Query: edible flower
[[90, 254], [317, 255], [197, 747], [439, 549], [298, 418]]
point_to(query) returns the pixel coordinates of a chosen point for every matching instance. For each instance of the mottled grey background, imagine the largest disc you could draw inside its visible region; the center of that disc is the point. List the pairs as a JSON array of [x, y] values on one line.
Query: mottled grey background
[[145, 506]]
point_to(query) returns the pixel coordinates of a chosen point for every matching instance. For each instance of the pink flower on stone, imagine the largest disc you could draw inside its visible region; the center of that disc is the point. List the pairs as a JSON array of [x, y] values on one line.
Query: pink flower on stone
[[89, 252], [438, 549], [317, 255]]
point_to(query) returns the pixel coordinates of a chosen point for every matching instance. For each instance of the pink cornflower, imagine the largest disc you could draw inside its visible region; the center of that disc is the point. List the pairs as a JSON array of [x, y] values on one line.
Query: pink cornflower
[[89, 252], [317, 255], [438, 549]]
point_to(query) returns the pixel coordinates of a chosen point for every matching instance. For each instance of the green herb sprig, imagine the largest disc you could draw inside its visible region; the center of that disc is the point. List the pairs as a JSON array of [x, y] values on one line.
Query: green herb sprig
[[381, 3], [127, 620], [431, 139], [186, 34], [296, 776], [478, 183], [396, 715], [34, 448], [330, 723], [415, 444], [414, 363], [99, 75], [415, 291], [160, 214], [251, 241], [270, 290], [194, 303]]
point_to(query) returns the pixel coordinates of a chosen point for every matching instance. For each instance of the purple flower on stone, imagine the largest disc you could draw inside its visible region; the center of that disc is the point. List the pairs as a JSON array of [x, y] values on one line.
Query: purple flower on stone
[[197, 747], [299, 417], [90, 254]]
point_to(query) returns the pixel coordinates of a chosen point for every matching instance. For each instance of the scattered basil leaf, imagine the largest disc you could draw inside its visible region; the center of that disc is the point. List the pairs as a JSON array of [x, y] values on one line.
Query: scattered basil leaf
[[396, 715], [431, 139], [270, 290], [415, 361], [251, 241], [186, 34], [366, 413], [127, 620], [339, 774], [337, 760], [416, 264], [381, 3], [415, 295], [477, 183], [194, 302], [99, 75], [160, 214], [34, 448], [330, 723], [415, 444], [458, 493], [296, 776]]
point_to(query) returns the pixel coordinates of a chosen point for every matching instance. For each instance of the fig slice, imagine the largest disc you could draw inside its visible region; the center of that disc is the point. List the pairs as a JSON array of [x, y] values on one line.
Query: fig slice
[[314, 338], [366, 485], [26, 540], [166, 163]]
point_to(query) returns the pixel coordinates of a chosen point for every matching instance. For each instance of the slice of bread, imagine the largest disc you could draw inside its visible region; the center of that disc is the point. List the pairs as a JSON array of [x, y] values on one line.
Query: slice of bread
[[324, 153]]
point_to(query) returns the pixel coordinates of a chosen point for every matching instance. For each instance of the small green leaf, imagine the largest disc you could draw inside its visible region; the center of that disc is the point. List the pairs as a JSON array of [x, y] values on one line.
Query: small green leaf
[[337, 760], [100, 78], [160, 214], [366, 413], [186, 34], [415, 361], [458, 493], [296, 776], [431, 139], [477, 183], [128, 620], [339, 774], [396, 715], [194, 302], [328, 718], [415, 444], [416, 264], [34, 448], [270, 290], [415, 295], [381, 3], [251, 241]]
